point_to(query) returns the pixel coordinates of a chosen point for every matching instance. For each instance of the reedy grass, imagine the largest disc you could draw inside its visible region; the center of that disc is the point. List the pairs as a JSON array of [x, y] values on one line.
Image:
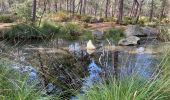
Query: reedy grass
[[14, 85], [134, 87]]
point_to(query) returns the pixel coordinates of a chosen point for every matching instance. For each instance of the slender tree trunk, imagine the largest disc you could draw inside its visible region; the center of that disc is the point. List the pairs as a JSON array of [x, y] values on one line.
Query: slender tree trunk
[[73, 8], [106, 8], [151, 11], [162, 13], [120, 11], [139, 11], [81, 6], [34, 10], [84, 7], [115, 8], [56, 6], [67, 5]]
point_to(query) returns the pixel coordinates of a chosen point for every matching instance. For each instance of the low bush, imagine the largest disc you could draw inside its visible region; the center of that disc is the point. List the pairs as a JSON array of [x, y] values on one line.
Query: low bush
[[110, 19], [164, 34], [127, 20], [142, 20], [24, 31], [6, 19], [71, 31], [14, 86], [114, 34], [60, 16], [86, 19]]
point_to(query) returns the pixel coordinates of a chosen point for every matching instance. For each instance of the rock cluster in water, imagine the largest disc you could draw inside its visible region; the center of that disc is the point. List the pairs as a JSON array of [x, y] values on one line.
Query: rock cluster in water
[[134, 32]]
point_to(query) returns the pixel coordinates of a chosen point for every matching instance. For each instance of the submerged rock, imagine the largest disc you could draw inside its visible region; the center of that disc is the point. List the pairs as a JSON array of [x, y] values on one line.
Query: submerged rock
[[131, 40]]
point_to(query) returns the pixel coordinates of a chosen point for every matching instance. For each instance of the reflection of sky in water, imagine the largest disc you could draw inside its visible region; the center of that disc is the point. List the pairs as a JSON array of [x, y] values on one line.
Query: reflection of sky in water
[[142, 64], [94, 71], [74, 47], [93, 77]]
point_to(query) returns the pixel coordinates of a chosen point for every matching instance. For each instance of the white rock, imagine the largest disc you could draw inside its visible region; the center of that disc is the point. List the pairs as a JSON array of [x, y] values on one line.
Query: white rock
[[90, 45]]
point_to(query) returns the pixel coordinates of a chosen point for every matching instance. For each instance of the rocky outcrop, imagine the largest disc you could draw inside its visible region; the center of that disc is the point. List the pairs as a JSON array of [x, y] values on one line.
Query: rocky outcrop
[[131, 40], [134, 33], [134, 30], [150, 31]]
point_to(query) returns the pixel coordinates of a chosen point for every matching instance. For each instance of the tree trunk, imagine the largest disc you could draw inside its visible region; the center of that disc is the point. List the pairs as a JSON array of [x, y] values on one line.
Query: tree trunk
[[34, 10], [120, 11], [151, 11], [73, 8], [84, 7], [106, 8], [162, 13], [81, 6], [139, 11]]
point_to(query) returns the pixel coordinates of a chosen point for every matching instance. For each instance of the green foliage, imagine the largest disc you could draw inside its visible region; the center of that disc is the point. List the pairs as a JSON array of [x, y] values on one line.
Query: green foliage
[[60, 16], [86, 35], [114, 34], [110, 19], [24, 31], [6, 19], [13, 85], [142, 20], [86, 19], [127, 20], [71, 31], [23, 10], [164, 34], [132, 87]]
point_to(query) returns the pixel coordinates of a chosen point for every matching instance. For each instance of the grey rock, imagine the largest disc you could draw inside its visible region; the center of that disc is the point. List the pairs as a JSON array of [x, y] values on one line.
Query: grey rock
[[150, 31], [97, 34], [131, 40], [134, 30]]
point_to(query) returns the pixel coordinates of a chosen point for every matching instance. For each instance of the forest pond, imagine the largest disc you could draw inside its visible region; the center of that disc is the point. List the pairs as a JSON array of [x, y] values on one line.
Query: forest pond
[[68, 65]]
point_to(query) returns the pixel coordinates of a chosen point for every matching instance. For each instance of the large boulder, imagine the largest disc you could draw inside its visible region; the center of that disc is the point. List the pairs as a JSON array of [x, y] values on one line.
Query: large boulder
[[131, 40], [150, 31], [134, 30]]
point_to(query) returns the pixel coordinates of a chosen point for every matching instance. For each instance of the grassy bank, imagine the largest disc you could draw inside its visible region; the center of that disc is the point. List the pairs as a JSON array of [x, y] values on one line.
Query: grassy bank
[[14, 86], [134, 87]]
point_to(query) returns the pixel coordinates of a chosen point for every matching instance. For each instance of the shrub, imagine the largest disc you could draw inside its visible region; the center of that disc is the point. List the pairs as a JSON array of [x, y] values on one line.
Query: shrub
[[109, 19], [49, 28], [127, 20], [114, 34], [86, 19], [143, 19], [6, 19], [86, 35], [23, 10], [14, 86], [165, 21], [78, 16], [60, 16], [71, 31], [164, 34], [94, 20], [101, 19], [24, 31]]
